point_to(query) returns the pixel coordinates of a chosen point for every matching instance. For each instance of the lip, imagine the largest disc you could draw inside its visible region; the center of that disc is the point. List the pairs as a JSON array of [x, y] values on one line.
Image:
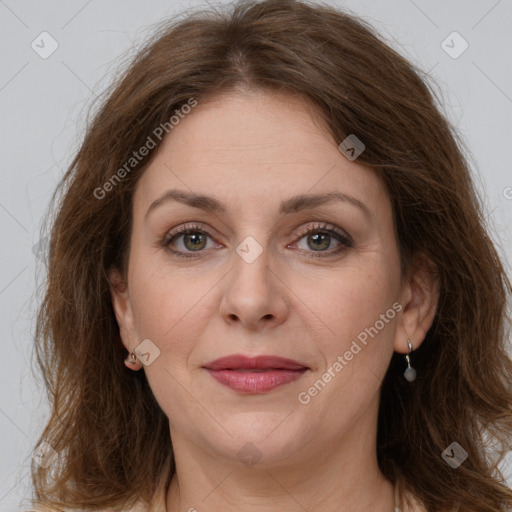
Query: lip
[[255, 374], [265, 362]]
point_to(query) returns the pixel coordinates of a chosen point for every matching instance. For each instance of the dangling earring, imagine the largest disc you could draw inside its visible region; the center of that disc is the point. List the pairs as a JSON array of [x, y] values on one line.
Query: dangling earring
[[410, 372]]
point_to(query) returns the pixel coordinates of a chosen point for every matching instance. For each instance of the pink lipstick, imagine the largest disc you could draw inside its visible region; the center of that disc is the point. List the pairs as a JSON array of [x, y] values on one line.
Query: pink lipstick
[[255, 374]]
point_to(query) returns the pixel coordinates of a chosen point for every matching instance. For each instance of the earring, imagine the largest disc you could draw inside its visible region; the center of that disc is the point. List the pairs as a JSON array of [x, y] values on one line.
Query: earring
[[410, 372], [132, 358]]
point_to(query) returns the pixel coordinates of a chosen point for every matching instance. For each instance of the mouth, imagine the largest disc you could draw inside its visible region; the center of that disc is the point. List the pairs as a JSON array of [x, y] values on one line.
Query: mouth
[[255, 374]]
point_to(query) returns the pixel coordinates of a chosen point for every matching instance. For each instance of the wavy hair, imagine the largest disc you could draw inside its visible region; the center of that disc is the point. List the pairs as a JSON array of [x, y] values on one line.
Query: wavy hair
[[111, 437]]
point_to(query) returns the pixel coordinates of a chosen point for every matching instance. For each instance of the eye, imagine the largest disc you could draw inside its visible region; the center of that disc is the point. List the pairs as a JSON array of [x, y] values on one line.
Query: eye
[[194, 240], [187, 239], [321, 237]]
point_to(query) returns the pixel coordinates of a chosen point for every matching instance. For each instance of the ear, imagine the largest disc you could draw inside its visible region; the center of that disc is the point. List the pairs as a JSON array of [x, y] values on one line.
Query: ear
[[124, 315], [419, 298]]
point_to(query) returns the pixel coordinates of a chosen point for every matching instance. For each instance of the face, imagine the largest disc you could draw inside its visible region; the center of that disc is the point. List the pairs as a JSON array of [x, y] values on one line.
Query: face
[[256, 269]]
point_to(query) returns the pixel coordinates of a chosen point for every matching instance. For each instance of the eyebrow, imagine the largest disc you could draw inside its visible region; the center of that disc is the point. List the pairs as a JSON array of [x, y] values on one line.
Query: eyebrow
[[292, 205]]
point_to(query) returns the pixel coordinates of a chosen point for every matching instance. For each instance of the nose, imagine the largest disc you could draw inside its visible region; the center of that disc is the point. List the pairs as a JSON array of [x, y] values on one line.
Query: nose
[[255, 295]]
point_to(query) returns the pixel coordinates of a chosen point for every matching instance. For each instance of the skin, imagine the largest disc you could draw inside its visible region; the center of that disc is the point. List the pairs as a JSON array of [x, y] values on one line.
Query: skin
[[251, 151]]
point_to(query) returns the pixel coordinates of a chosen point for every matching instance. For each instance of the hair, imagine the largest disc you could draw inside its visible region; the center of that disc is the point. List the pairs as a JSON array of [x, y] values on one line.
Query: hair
[[111, 436]]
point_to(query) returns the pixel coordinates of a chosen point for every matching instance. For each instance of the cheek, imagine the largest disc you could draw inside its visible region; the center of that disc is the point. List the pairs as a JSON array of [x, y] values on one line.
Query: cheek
[[350, 300], [168, 310], [161, 295], [357, 307], [166, 305]]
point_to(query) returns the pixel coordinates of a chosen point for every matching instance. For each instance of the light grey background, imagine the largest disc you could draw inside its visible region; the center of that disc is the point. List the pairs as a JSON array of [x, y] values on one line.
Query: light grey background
[[43, 106]]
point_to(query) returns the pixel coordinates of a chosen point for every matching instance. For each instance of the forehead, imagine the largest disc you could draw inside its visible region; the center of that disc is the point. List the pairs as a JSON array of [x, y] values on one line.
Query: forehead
[[256, 146]]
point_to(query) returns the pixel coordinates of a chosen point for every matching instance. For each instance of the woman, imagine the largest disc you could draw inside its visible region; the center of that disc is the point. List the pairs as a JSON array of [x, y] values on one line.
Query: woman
[[273, 226]]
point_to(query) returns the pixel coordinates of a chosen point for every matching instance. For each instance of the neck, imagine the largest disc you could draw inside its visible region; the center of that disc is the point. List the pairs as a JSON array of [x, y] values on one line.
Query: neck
[[343, 479]]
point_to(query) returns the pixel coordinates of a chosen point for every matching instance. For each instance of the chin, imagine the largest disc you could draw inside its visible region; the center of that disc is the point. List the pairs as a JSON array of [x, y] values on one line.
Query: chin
[[262, 438]]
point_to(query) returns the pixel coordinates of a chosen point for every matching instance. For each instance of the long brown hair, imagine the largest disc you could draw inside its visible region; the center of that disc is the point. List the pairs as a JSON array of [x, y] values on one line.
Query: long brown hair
[[111, 436]]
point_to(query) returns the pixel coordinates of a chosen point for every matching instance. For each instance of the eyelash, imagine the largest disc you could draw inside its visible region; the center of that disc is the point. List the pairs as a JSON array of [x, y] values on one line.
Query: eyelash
[[344, 239]]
